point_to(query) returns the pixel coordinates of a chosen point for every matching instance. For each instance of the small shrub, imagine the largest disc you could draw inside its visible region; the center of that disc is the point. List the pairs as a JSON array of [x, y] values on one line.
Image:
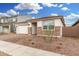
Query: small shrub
[[30, 40], [33, 43], [60, 43], [58, 47]]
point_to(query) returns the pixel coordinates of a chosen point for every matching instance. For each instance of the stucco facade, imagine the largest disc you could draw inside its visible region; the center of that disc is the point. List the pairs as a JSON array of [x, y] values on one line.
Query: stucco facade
[[41, 26], [36, 26]]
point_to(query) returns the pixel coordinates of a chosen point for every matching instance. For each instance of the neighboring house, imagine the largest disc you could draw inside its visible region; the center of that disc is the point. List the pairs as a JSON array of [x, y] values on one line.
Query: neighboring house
[[42, 26], [7, 24]]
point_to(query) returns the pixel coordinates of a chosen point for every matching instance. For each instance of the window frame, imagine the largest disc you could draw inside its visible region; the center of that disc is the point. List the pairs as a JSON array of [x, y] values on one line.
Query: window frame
[[49, 25]]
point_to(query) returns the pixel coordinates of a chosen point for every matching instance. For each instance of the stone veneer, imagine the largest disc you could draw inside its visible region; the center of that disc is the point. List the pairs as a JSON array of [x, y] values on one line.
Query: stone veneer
[[55, 32]]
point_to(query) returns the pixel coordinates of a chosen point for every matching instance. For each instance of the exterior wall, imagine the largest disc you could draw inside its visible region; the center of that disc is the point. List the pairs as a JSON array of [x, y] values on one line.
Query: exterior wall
[[5, 28], [54, 33], [58, 22], [1, 29], [57, 29], [39, 23], [39, 28], [71, 31], [30, 30]]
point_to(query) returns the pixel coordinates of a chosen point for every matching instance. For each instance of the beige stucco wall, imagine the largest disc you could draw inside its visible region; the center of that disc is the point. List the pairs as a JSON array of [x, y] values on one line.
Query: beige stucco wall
[[58, 27], [30, 24], [58, 22]]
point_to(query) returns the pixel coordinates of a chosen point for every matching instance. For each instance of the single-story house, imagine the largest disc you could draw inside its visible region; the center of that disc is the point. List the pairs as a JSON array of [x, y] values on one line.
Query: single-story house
[[42, 26]]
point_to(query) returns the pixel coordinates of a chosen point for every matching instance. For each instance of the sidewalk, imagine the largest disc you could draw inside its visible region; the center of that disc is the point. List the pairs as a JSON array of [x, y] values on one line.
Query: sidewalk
[[20, 50]]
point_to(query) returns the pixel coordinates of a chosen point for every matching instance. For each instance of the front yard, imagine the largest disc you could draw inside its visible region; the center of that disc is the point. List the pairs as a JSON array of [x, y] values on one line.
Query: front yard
[[65, 45]]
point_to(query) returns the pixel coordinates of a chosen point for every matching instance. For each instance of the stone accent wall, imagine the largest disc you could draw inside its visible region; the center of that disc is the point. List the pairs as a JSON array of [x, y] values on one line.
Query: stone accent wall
[[39, 30], [55, 32]]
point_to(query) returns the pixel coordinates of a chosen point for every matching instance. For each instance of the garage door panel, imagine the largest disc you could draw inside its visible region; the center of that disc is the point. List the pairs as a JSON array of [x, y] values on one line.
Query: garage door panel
[[22, 30]]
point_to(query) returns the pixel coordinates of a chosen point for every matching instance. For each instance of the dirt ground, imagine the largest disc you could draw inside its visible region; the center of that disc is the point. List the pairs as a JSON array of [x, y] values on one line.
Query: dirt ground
[[3, 54], [64, 45]]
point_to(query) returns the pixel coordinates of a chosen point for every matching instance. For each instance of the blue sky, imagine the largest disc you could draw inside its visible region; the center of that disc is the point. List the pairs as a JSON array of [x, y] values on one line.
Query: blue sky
[[70, 11]]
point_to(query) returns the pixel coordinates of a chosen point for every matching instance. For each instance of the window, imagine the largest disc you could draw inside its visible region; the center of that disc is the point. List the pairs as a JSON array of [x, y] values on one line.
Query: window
[[48, 25], [51, 27], [44, 27]]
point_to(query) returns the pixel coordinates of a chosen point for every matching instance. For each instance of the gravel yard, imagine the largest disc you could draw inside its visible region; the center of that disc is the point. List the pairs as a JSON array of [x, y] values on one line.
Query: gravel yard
[[65, 45]]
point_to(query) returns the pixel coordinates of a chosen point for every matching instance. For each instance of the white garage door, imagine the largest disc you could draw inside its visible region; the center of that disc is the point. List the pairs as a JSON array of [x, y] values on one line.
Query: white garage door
[[22, 30]]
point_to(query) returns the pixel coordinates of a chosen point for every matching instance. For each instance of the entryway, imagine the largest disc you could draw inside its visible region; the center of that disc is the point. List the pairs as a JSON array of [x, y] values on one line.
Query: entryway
[[34, 28]]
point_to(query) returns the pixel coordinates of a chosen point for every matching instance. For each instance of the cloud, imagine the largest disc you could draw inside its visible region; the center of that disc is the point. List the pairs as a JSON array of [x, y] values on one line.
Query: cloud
[[35, 7], [49, 4], [68, 3], [33, 12], [12, 12], [65, 9], [71, 18], [4, 14], [61, 5], [9, 13], [54, 14]]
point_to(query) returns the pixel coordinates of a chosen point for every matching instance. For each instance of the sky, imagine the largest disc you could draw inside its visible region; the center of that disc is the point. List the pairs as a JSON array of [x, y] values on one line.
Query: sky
[[70, 11]]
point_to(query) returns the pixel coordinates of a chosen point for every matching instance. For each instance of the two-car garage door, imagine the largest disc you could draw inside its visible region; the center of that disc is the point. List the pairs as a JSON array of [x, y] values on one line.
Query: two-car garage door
[[22, 30]]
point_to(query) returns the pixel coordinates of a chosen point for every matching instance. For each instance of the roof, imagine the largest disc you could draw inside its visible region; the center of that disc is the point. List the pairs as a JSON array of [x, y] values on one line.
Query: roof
[[24, 18], [50, 17], [14, 16], [76, 23], [44, 19]]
